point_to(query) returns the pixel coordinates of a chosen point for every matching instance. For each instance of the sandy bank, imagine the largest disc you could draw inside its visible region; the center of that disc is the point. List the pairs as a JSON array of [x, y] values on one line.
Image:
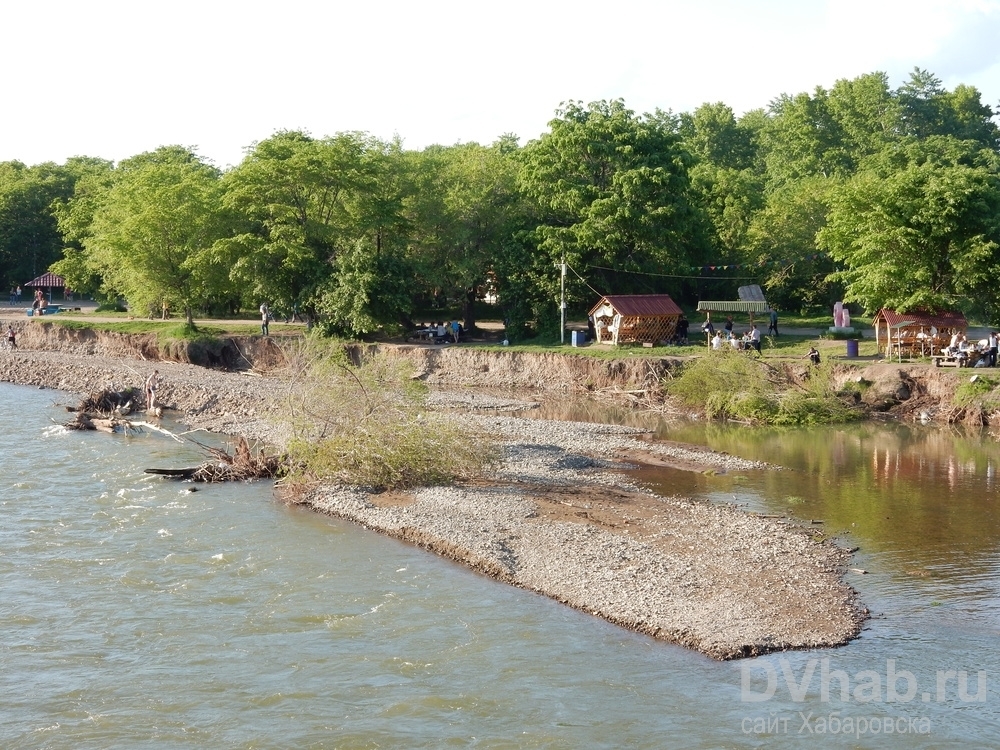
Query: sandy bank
[[552, 517]]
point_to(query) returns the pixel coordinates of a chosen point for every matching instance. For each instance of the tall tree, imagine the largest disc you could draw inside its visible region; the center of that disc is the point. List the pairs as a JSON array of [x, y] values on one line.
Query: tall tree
[[464, 208], [920, 228], [613, 196], [301, 202], [152, 232], [29, 235]]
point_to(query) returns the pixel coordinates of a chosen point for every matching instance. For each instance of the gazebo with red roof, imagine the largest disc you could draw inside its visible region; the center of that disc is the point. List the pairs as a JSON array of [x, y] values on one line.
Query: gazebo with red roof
[[892, 326], [631, 318], [47, 281]]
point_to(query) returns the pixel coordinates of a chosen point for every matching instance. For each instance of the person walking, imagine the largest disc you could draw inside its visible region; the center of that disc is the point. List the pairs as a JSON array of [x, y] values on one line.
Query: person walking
[[265, 318], [772, 326]]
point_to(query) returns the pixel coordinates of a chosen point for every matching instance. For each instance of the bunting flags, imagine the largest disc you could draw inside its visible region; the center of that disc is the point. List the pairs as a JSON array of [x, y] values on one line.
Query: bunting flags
[[759, 264]]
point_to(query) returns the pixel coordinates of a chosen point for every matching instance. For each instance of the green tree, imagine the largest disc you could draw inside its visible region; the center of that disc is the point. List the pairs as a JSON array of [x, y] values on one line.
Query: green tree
[[613, 197], [153, 230], [302, 202], [75, 215], [29, 235], [920, 228], [463, 207]]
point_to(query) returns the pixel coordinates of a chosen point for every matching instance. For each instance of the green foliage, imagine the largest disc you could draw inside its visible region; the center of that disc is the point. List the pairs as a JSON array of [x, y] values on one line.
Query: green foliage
[[919, 229], [363, 422], [612, 194], [728, 384], [152, 230], [981, 391]]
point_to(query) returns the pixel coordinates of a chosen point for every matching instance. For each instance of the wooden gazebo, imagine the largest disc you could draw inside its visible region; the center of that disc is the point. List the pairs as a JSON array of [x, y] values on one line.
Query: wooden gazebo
[[631, 318], [913, 328]]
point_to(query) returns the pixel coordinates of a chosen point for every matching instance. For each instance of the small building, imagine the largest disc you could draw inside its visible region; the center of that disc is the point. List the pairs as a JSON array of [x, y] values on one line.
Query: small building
[[913, 328], [47, 281], [633, 318]]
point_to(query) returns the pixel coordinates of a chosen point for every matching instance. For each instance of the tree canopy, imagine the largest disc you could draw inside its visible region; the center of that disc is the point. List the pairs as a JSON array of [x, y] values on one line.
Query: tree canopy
[[859, 191]]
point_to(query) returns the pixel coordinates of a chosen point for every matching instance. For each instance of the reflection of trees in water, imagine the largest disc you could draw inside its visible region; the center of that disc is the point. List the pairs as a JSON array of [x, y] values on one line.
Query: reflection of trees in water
[[905, 488]]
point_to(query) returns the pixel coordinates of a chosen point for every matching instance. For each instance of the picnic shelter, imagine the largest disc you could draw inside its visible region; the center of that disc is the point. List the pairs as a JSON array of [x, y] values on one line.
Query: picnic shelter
[[633, 318]]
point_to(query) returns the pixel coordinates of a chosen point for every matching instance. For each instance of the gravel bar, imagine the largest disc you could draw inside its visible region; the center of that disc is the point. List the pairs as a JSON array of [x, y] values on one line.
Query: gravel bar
[[553, 516]]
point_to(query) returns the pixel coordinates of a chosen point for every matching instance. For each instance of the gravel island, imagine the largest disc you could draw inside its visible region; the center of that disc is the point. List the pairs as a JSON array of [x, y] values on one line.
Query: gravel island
[[553, 516]]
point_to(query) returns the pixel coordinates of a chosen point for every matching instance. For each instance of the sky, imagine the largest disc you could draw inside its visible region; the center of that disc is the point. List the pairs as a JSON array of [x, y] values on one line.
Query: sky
[[112, 79]]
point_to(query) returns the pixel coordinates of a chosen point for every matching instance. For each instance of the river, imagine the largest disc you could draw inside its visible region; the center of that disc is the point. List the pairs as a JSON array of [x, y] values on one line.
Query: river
[[137, 614]]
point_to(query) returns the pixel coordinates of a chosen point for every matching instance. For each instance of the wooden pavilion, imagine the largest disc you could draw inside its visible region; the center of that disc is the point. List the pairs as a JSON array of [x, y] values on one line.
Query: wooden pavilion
[[751, 300], [631, 318], [47, 281], [916, 331]]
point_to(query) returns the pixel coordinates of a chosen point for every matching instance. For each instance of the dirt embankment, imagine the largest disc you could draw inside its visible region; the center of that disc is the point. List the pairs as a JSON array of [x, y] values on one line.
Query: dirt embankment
[[907, 391]]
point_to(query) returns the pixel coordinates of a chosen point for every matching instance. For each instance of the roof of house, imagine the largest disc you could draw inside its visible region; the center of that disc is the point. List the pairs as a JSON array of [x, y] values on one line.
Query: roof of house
[[632, 305], [950, 319], [47, 279]]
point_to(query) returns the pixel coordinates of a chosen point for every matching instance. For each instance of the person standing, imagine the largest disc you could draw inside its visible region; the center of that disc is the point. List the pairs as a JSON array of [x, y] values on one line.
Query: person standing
[[151, 384], [755, 338], [17, 295], [992, 343], [265, 318], [772, 326], [729, 325], [11, 338]]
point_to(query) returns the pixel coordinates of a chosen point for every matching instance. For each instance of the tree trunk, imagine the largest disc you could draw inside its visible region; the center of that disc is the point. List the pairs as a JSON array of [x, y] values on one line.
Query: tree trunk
[[469, 310]]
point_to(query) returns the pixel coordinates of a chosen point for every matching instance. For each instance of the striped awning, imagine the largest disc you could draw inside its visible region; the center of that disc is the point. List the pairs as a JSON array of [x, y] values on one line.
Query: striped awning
[[733, 306], [47, 280]]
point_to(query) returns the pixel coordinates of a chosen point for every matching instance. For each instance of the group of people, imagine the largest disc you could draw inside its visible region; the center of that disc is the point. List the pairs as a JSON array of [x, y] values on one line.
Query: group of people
[[441, 331], [985, 351], [15, 295], [40, 303], [749, 340]]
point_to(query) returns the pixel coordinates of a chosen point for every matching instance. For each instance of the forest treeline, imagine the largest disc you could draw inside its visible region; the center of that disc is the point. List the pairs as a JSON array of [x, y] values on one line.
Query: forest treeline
[[879, 196]]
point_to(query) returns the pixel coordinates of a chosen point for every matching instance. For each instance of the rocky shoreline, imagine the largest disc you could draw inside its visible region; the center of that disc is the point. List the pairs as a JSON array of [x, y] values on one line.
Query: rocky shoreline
[[554, 516]]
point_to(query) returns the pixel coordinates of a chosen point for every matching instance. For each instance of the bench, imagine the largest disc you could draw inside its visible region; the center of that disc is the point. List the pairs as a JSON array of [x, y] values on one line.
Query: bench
[[950, 360], [946, 360]]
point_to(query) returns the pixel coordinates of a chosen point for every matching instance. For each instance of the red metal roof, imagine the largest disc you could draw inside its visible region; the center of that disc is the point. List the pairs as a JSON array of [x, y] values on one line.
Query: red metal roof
[[951, 319], [640, 304], [47, 279]]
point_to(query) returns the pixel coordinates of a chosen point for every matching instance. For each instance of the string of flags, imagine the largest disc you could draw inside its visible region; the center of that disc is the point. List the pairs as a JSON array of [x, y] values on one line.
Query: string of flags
[[758, 264]]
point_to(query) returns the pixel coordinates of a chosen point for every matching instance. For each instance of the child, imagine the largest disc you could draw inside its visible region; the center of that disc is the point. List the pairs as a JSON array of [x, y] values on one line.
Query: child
[[813, 355], [11, 338]]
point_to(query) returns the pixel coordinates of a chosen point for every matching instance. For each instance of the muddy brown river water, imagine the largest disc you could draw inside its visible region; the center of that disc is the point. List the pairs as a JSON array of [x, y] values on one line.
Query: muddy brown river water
[[137, 614]]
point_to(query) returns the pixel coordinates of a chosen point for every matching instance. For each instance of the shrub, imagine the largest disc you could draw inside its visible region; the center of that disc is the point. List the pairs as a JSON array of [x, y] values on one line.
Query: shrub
[[731, 385], [364, 422]]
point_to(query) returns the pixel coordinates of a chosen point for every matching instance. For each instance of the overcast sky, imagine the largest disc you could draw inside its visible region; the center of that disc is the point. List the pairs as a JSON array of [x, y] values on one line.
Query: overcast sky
[[113, 79]]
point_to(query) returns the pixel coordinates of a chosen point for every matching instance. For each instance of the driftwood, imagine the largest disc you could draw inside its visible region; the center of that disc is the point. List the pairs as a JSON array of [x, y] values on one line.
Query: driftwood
[[242, 465], [111, 424]]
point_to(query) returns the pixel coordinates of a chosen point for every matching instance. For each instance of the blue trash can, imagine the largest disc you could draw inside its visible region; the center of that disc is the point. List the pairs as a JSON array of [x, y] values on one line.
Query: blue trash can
[[577, 338], [852, 348]]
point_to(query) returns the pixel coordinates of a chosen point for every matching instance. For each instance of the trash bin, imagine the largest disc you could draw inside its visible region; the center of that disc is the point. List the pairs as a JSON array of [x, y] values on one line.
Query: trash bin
[[577, 338], [852, 348]]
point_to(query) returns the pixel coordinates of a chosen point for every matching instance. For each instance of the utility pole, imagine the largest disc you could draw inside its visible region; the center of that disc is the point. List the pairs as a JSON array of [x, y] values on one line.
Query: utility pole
[[562, 302]]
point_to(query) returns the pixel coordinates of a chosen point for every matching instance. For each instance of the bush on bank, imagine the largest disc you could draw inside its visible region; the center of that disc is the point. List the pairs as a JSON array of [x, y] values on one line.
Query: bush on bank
[[365, 423], [729, 384]]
